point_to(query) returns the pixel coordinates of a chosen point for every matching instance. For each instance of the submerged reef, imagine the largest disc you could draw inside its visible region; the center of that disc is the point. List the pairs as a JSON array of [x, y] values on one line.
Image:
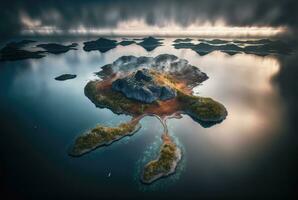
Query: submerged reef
[[147, 86]]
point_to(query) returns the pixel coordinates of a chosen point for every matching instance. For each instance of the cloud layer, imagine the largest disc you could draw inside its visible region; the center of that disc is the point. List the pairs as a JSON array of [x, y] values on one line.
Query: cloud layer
[[18, 15]]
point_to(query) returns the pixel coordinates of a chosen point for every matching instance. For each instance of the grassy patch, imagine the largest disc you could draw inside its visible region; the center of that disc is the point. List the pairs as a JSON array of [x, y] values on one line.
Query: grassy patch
[[101, 135], [163, 164], [202, 108]]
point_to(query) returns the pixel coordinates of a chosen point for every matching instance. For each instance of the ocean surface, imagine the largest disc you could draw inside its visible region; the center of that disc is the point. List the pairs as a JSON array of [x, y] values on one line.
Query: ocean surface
[[41, 117]]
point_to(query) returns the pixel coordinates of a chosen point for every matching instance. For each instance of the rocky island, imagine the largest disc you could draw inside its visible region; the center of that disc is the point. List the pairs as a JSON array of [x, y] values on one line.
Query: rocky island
[[20, 50], [55, 48], [64, 77], [15, 51], [260, 47], [150, 43], [164, 165], [102, 45], [142, 86]]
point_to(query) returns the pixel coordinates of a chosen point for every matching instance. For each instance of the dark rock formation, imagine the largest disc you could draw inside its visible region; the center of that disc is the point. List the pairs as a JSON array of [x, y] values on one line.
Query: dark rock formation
[[164, 58], [150, 43], [57, 48], [102, 44], [142, 87], [64, 77], [143, 75]]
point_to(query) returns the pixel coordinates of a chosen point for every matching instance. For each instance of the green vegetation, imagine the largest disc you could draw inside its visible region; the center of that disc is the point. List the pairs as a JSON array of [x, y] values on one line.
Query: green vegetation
[[101, 135], [163, 165], [202, 108], [101, 94], [199, 108]]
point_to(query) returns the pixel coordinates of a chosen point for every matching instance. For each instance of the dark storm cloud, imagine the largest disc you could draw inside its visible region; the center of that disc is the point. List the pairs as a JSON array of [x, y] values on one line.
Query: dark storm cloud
[[68, 14]]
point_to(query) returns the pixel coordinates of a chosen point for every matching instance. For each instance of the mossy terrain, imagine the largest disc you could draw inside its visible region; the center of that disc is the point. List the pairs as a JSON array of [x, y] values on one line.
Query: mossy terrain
[[202, 108], [101, 135], [199, 108], [164, 165]]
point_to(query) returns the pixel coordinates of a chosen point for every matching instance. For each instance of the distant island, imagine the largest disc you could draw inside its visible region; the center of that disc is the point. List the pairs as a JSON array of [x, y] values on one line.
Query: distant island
[[21, 50], [15, 51], [146, 86], [261, 47], [150, 43], [104, 44], [64, 77], [55, 48]]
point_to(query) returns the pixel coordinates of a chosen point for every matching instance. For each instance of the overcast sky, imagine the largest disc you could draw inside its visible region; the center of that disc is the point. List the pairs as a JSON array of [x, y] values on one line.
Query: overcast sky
[[21, 14]]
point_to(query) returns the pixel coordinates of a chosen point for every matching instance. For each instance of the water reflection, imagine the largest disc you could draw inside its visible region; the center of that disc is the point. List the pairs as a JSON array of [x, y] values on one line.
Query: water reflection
[[241, 82]]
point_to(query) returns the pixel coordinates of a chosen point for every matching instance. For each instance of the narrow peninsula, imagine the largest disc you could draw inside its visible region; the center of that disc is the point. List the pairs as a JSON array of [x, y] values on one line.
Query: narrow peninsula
[[102, 135]]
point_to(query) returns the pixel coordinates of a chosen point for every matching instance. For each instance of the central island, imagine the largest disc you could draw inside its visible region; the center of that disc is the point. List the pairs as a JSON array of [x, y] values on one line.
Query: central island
[[147, 86]]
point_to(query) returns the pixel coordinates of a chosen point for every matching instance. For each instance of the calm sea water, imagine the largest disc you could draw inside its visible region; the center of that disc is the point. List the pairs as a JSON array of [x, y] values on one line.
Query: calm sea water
[[41, 117]]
